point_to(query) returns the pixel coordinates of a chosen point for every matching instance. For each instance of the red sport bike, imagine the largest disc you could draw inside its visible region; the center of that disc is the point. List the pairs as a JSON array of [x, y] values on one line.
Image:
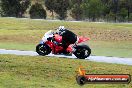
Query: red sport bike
[[50, 44]]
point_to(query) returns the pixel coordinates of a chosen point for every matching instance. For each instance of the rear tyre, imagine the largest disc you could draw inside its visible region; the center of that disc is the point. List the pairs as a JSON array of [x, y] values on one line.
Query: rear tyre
[[82, 51], [43, 49]]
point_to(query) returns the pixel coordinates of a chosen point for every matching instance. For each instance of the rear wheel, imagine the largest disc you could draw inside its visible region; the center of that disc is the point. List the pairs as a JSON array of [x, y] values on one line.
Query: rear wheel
[[82, 51], [43, 49]]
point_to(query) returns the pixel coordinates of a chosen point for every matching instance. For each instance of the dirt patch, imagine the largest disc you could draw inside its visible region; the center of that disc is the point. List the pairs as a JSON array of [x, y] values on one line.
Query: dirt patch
[[103, 35], [100, 35], [20, 38]]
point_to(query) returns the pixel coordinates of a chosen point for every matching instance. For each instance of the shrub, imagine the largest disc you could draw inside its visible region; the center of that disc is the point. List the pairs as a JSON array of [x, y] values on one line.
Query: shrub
[[37, 12]]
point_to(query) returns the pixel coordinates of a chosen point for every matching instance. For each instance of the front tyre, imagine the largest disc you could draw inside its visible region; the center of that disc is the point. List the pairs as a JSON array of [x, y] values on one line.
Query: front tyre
[[43, 49], [82, 51]]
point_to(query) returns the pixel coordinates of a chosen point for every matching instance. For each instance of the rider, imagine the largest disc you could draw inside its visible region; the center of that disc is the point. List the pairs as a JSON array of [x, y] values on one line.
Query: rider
[[68, 37]]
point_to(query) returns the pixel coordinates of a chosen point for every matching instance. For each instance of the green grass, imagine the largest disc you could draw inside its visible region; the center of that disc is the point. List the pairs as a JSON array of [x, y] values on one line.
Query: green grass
[[18, 46], [49, 72], [115, 48], [107, 39], [16, 23]]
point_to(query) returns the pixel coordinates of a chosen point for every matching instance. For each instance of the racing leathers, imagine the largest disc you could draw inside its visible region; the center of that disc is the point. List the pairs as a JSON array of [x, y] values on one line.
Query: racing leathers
[[68, 37]]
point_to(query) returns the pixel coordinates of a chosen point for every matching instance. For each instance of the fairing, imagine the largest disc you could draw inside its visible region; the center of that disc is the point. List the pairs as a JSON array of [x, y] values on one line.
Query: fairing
[[82, 39], [47, 35], [58, 38], [57, 48]]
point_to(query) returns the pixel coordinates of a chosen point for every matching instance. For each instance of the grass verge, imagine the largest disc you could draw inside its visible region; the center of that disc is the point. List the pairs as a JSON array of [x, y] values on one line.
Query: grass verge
[[49, 72]]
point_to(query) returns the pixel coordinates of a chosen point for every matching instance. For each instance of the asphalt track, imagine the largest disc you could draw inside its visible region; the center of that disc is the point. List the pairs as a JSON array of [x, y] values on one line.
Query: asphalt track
[[117, 60]]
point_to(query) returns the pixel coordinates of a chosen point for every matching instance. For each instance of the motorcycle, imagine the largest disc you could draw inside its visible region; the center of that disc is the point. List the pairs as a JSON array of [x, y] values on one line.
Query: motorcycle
[[50, 44]]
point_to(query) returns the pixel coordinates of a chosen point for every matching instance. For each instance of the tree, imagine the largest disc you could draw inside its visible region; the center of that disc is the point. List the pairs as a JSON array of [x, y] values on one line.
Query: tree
[[77, 12], [129, 8], [58, 6], [122, 15], [61, 7], [50, 5], [93, 9], [76, 9], [115, 8], [130, 17], [24, 6], [110, 16], [14, 8], [37, 12]]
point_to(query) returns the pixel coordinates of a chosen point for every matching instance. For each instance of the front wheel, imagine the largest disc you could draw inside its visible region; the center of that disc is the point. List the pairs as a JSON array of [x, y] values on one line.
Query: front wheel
[[82, 51], [43, 49]]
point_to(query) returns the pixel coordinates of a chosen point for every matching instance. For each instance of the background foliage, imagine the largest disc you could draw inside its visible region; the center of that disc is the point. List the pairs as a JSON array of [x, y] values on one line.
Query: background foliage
[[91, 10], [37, 11]]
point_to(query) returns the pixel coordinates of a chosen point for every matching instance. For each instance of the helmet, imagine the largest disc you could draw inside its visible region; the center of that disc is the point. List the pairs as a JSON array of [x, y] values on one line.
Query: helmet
[[61, 28]]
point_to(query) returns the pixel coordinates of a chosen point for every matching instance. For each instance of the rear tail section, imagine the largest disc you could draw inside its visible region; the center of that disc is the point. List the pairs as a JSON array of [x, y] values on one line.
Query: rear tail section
[[82, 39]]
